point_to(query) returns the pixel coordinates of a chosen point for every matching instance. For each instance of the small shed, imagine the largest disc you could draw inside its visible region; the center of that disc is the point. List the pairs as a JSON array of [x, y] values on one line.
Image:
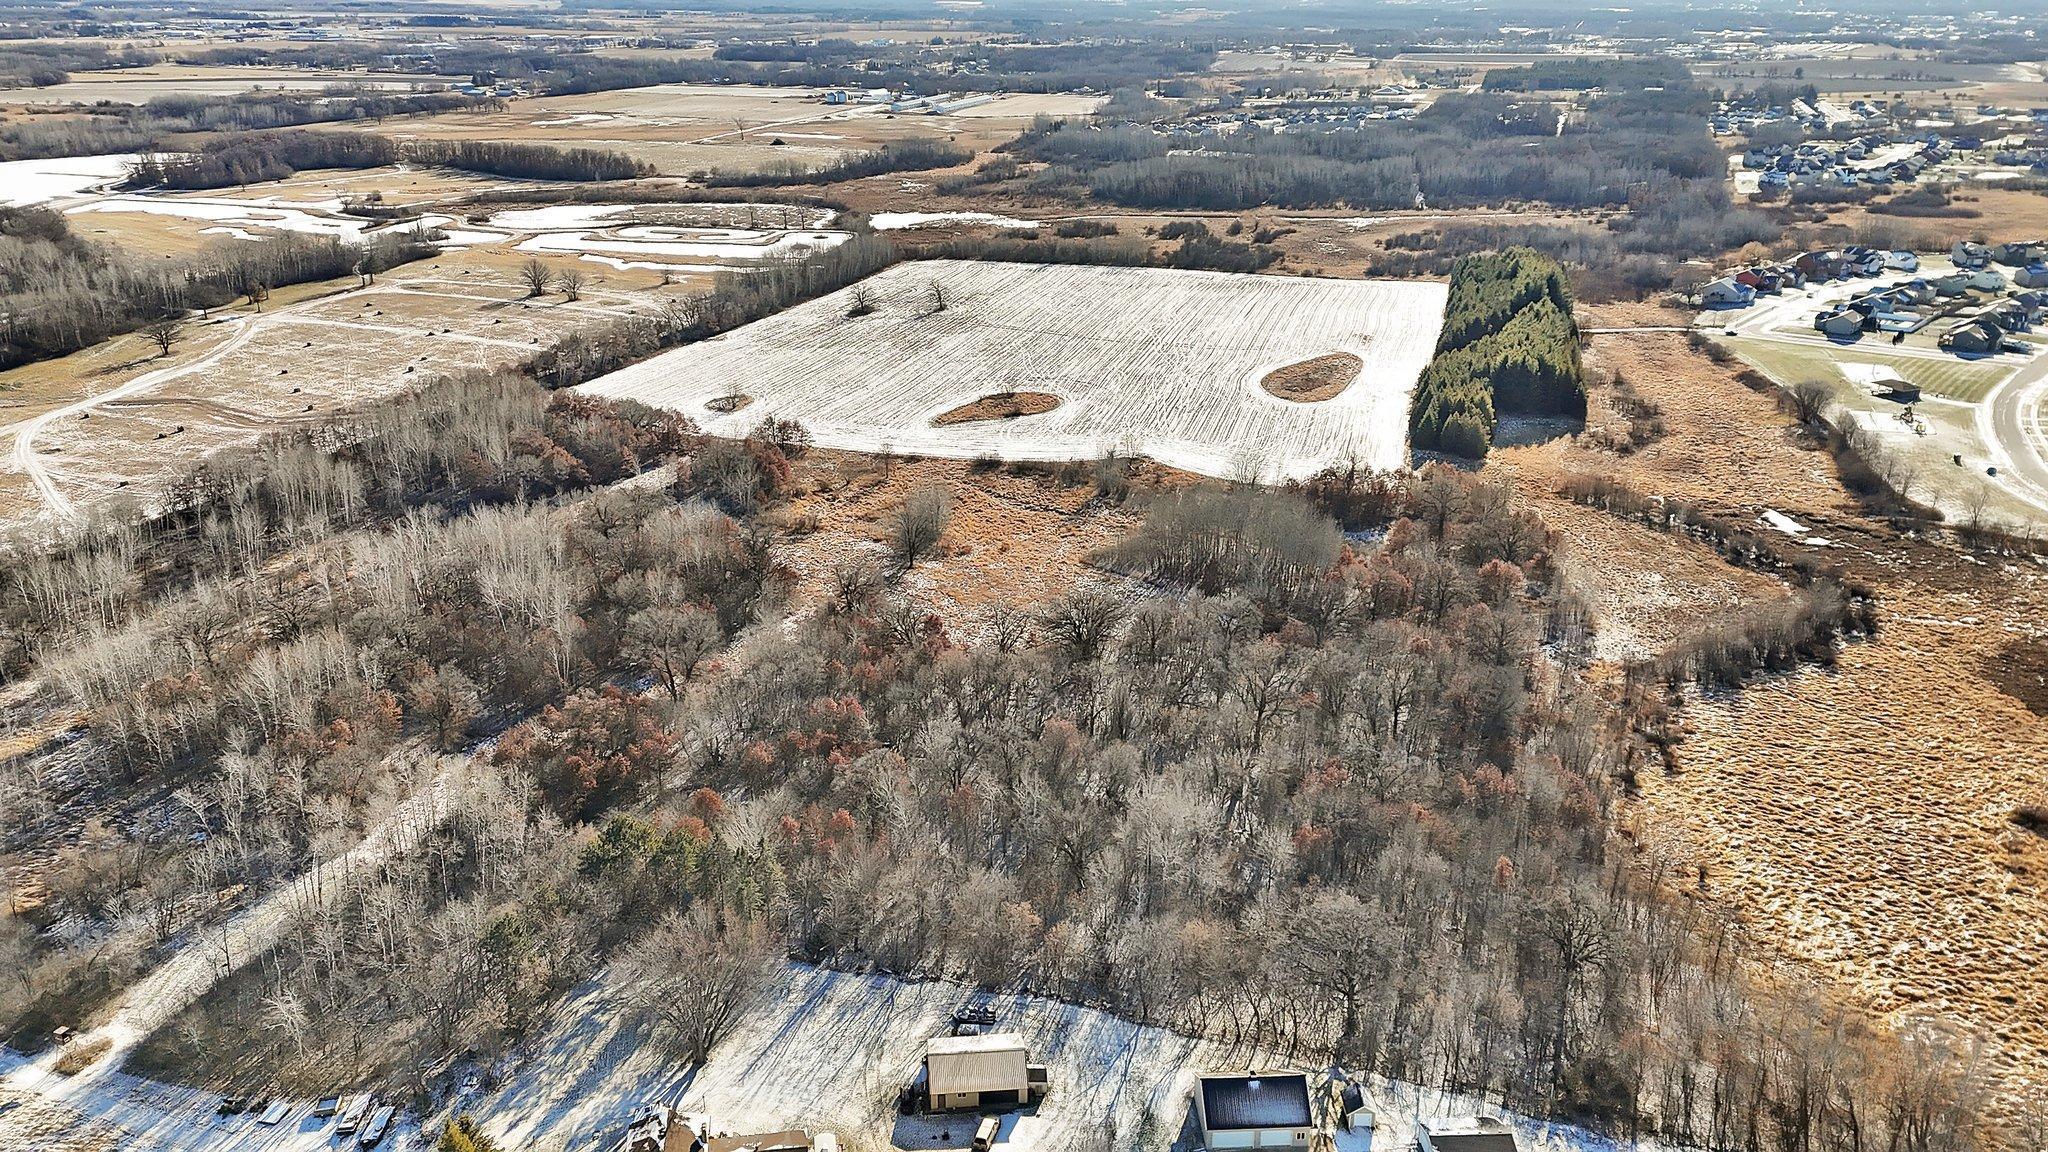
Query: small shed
[[1465, 1134], [1255, 1110]]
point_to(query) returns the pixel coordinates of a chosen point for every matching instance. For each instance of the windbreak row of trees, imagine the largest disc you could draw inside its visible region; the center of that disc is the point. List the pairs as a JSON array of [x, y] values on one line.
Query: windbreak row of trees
[[251, 158], [1508, 344], [60, 292], [254, 157], [108, 128], [1100, 66]]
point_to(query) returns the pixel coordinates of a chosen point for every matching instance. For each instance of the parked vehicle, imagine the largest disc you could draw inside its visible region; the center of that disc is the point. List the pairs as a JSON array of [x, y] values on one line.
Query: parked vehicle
[[986, 1132], [380, 1123]]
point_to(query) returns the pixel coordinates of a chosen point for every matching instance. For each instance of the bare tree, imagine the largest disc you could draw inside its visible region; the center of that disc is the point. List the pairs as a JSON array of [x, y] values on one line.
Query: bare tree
[[936, 293], [536, 276], [671, 641], [570, 282], [164, 332], [1082, 622], [860, 301], [1808, 401], [917, 525], [695, 973]]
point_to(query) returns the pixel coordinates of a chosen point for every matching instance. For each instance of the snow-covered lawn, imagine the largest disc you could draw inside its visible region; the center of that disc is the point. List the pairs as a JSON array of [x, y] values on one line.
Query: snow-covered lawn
[[822, 1050], [1161, 362]]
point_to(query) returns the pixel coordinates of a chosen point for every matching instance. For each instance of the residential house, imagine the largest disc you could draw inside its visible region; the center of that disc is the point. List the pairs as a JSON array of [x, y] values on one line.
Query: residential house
[[1840, 323], [1969, 254], [2017, 255], [1987, 280], [1254, 1110], [1977, 336], [2032, 276], [1951, 286], [1900, 260], [1465, 1134], [660, 1128], [1727, 293]]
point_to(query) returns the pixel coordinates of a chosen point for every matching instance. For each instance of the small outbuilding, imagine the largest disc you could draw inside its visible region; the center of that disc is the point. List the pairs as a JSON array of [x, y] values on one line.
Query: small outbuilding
[[1255, 1110], [1465, 1134], [985, 1071]]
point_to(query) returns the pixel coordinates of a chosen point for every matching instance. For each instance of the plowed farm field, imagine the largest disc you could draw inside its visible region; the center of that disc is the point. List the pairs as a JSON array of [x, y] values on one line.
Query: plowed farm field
[[1148, 361]]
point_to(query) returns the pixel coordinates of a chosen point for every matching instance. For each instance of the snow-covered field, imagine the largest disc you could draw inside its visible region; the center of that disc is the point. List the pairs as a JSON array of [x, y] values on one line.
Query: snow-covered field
[[25, 182], [1161, 362]]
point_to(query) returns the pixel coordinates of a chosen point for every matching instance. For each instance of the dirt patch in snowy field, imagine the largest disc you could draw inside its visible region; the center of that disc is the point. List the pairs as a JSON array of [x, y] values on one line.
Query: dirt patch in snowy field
[[2020, 670], [1000, 406], [1319, 378], [729, 403]]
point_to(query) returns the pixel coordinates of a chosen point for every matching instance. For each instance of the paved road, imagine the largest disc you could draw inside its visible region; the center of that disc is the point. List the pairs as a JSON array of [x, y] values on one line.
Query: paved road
[[2014, 422]]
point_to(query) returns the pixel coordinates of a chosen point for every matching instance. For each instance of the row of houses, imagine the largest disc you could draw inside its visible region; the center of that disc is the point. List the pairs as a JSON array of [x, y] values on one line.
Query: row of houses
[[1985, 333], [1848, 164], [1911, 305], [1741, 289]]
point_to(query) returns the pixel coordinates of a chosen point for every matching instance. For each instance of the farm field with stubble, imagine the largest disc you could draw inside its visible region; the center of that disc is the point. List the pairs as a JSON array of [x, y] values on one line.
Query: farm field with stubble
[[1164, 363]]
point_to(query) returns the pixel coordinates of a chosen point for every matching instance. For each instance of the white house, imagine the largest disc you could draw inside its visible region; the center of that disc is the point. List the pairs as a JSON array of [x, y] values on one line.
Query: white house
[[1254, 1110], [1727, 293]]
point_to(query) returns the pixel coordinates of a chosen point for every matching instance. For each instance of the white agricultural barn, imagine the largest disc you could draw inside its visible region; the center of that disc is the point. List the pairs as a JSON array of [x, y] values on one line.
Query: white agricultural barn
[[991, 1070], [1162, 362]]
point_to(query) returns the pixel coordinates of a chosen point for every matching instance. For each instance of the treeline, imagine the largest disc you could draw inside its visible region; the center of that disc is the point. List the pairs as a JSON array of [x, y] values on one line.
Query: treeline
[[41, 63], [251, 158], [735, 298], [1508, 344], [107, 128], [1583, 73], [527, 161], [1465, 149], [60, 292], [897, 156], [1101, 65]]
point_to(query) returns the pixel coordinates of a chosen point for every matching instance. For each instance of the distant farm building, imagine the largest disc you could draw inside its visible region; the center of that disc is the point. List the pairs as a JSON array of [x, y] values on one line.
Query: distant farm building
[[1255, 1110]]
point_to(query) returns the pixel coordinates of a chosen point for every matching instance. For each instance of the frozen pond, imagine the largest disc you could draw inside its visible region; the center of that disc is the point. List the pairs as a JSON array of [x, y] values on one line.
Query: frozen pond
[[26, 182]]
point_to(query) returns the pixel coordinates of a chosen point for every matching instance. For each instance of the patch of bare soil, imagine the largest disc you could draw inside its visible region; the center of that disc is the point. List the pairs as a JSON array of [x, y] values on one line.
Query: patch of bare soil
[[2020, 670], [729, 403], [1646, 589], [1000, 406], [1318, 378], [1018, 537]]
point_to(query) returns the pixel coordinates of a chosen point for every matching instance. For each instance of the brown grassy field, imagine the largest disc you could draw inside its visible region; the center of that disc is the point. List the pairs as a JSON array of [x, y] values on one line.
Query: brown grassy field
[[1858, 819], [312, 351], [1018, 536]]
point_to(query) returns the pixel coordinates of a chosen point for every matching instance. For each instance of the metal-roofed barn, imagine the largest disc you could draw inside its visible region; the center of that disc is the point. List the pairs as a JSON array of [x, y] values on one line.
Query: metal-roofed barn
[[988, 1071], [1255, 1110]]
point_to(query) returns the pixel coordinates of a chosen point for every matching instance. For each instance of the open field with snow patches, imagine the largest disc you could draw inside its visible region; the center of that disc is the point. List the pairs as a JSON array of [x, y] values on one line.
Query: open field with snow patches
[[1163, 363]]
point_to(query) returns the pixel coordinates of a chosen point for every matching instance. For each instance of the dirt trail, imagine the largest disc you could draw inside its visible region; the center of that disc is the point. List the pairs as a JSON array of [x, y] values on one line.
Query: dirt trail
[[212, 954]]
